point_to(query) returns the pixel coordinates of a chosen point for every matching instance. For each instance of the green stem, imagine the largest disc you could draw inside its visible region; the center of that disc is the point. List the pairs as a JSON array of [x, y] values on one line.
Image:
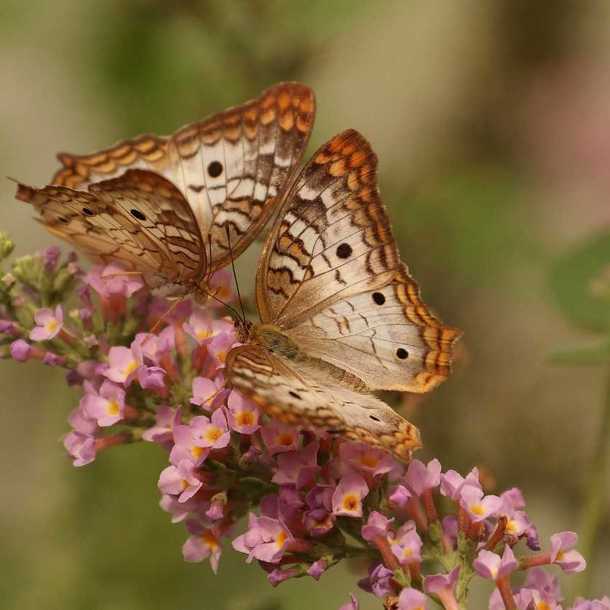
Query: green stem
[[593, 510]]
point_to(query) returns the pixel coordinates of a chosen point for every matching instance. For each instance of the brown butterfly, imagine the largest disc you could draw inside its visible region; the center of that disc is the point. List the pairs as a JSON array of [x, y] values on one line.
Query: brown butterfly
[[340, 315], [178, 208]]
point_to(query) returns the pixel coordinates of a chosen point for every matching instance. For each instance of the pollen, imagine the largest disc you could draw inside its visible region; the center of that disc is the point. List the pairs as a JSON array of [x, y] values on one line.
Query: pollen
[[51, 326], [370, 460], [113, 407], [197, 452], [130, 368], [477, 509], [350, 502], [285, 439], [210, 540], [245, 418], [281, 539], [202, 333], [213, 433]]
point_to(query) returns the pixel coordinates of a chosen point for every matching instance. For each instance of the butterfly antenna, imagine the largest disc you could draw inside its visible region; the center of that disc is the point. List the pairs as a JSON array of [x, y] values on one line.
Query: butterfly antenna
[[241, 303], [171, 308]]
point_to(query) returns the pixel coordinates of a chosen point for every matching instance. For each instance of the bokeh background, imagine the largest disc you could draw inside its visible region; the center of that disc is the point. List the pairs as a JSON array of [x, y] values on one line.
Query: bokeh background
[[492, 124]]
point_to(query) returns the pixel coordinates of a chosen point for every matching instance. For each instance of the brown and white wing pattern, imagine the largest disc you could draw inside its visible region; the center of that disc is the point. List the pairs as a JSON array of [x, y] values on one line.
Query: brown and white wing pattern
[[230, 167], [300, 398], [139, 218], [332, 277]]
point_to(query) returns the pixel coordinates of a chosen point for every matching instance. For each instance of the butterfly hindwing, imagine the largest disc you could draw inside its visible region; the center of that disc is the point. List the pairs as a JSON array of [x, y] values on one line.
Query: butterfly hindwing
[[300, 396], [139, 218], [230, 167]]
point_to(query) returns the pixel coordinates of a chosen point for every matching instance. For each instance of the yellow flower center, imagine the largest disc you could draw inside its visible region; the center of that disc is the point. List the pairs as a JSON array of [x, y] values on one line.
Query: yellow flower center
[[210, 540], [184, 483], [407, 552], [202, 333], [542, 605], [197, 452], [245, 418], [113, 407], [370, 460], [130, 368], [477, 509], [221, 356], [213, 433], [281, 539], [51, 326], [285, 439], [511, 527], [350, 502]]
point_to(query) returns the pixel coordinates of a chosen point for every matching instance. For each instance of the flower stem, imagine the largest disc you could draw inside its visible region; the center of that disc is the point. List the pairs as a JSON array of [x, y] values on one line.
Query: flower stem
[[593, 510]]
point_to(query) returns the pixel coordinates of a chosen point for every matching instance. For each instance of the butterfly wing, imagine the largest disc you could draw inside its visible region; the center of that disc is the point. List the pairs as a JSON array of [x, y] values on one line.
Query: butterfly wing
[[138, 218], [230, 167], [331, 277], [304, 398]]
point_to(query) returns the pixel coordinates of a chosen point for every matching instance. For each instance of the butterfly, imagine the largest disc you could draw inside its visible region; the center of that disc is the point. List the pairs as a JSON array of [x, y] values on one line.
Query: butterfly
[[178, 208], [340, 315]]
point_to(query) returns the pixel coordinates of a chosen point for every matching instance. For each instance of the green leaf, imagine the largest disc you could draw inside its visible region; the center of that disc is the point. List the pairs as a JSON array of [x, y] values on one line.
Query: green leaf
[[580, 282]]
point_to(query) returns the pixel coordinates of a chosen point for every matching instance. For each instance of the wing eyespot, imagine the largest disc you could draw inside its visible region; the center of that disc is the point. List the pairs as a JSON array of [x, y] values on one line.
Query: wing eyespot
[[294, 395], [63, 219], [344, 250], [88, 212], [378, 298], [215, 169], [137, 214], [402, 353], [374, 418]]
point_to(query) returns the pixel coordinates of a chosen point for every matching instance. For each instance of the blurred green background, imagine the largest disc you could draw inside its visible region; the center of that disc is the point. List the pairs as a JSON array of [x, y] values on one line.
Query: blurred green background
[[492, 124]]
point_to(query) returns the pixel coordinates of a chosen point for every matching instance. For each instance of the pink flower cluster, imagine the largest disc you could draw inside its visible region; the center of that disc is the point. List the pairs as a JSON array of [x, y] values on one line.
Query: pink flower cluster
[[153, 372]]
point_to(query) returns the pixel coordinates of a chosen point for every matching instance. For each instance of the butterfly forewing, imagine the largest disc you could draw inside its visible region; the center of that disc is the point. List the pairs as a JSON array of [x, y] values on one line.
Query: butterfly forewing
[[230, 167], [138, 218], [332, 279], [302, 396]]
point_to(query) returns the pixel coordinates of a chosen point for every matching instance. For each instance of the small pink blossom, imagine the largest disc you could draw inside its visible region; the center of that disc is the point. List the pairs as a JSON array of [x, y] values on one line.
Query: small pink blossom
[[407, 544], [452, 482], [180, 480], [348, 496], [203, 543], [49, 323], [352, 604], [266, 539], [106, 407], [563, 553], [113, 280], [81, 447], [412, 599], [421, 477], [492, 566], [298, 468], [162, 431], [317, 568], [399, 496], [377, 525], [205, 392], [366, 459], [211, 433], [122, 365], [20, 350], [204, 329], [243, 414], [478, 506], [279, 438], [443, 585]]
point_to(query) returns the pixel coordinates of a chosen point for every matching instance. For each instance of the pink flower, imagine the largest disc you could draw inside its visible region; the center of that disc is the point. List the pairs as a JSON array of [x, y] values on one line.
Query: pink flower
[[377, 525], [151, 377], [187, 442], [379, 581], [298, 468], [113, 280], [265, 540], [399, 497], [407, 544], [421, 477], [591, 604], [350, 605], [317, 568], [108, 406], [348, 496], [203, 328], [220, 345], [279, 438], [452, 482], [412, 599], [489, 565], [443, 585], [81, 447], [161, 432], [318, 519], [211, 433], [49, 323], [243, 414], [203, 543], [366, 459], [205, 391], [562, 553], [20, 350], [122, 365], [180, 481], [478, 507]]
